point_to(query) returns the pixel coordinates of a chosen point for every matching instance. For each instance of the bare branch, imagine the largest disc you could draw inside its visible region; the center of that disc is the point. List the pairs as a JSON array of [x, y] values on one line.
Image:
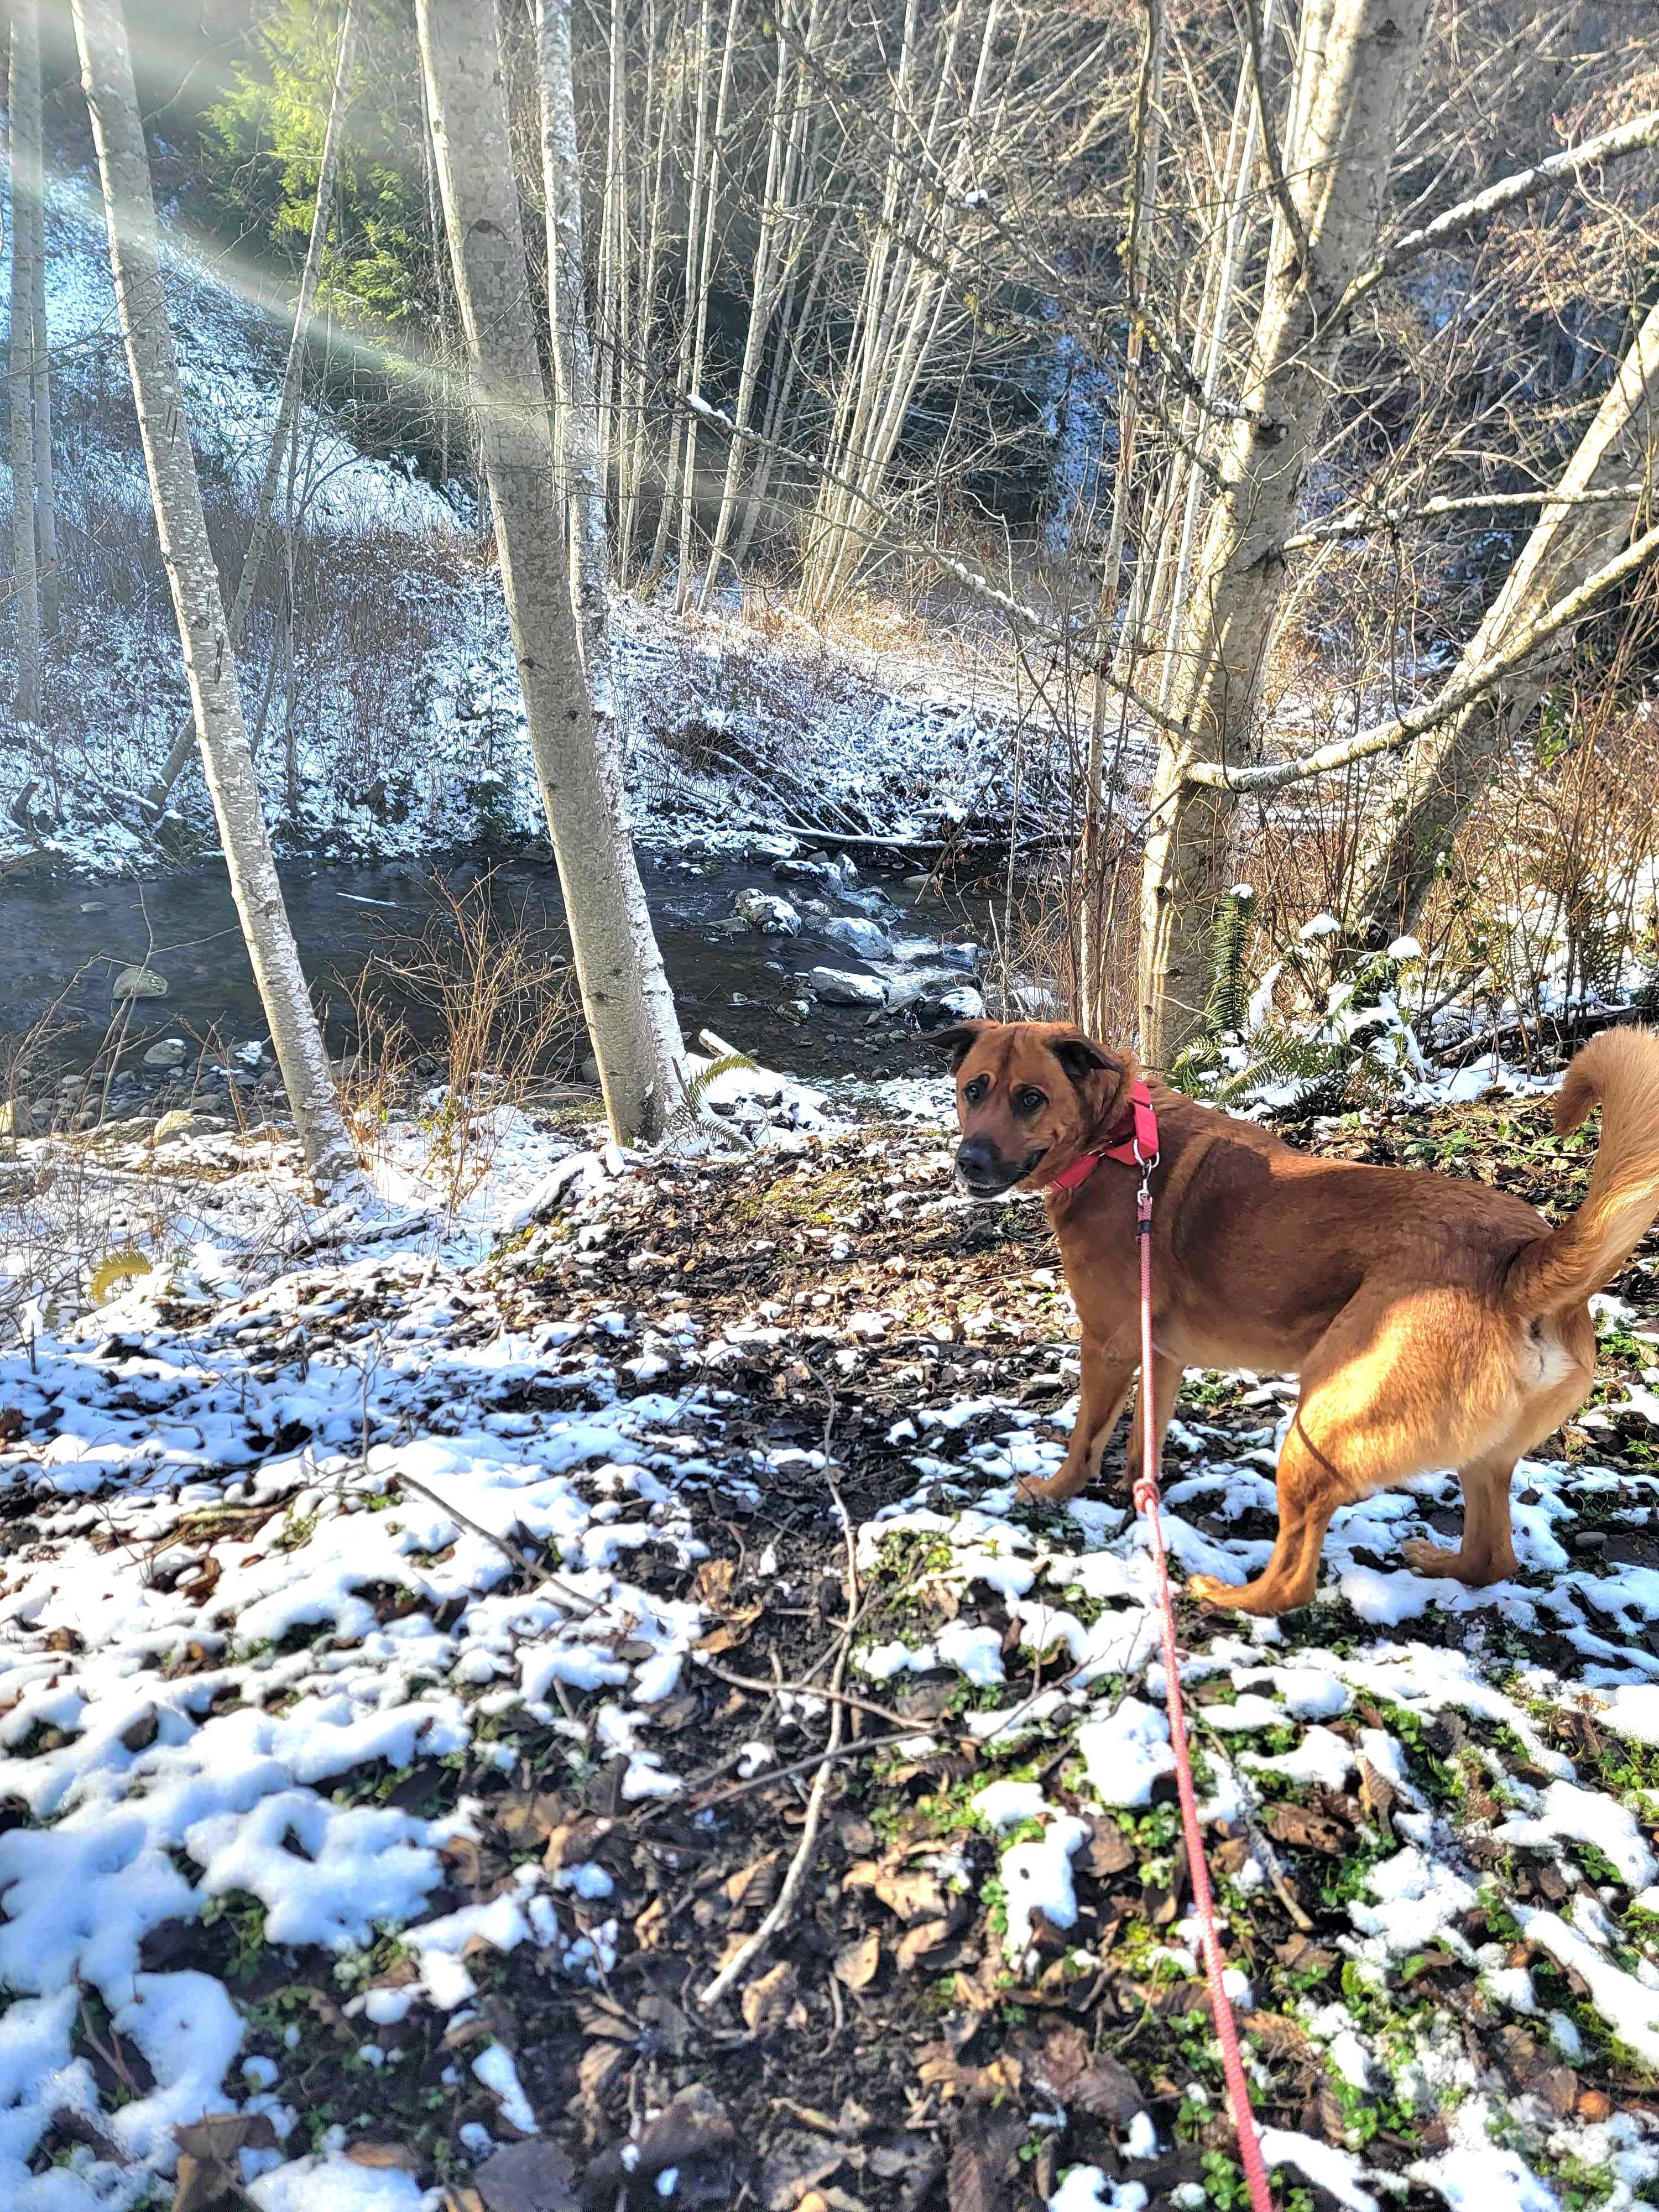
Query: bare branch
[[1631, 137], [1361, 524], [1390, 736]]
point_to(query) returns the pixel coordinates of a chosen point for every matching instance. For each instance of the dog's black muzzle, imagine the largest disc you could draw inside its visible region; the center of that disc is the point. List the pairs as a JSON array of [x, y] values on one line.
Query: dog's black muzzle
[[983, 1172]]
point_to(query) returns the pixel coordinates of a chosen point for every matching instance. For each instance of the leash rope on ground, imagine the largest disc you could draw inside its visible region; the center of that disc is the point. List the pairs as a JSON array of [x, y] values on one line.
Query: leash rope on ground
[[1148, 1504]]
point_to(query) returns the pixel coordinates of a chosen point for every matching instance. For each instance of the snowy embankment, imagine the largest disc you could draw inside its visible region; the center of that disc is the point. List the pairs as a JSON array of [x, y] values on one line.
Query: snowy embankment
[[414, 1664], [407, 734]]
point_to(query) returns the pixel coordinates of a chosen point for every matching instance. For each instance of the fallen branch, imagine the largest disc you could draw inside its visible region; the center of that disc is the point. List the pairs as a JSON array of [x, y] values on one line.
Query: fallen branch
[[584, 1607], [737, 1968], [1572, 1022], [1362, 520]]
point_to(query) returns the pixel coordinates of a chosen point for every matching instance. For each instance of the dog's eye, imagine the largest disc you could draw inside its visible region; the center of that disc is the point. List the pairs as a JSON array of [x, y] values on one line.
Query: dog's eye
[[974, 1091], [1028, 1101]]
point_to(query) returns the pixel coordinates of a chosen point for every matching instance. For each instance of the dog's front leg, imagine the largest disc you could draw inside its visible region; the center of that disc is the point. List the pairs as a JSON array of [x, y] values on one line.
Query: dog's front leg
[[1108, 1371]]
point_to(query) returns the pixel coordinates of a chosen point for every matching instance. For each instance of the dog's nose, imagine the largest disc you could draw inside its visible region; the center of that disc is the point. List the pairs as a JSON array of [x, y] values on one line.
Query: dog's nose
[[980, 1165]]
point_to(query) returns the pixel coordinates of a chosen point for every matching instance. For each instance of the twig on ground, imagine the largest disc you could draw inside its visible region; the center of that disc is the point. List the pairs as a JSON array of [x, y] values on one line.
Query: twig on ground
[[574, 1599], [800, 1866]]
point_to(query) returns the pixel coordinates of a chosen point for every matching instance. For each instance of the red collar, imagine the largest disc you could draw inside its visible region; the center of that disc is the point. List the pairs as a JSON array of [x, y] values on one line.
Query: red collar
[[1134, 1140]]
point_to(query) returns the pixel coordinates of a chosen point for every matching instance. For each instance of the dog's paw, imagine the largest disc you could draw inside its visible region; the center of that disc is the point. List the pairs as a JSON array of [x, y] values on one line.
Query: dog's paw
[[1209, 1589], [1425, 1557], [1043, 1490]]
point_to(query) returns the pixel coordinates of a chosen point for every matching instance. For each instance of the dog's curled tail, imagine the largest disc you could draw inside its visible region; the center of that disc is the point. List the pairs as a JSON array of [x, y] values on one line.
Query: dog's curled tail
[[1621, 1068]]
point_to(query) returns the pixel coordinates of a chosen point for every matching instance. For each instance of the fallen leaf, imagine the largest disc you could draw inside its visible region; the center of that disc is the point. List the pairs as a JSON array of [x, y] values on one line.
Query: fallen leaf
[[397, 2156], [938, 2066], [769, 2003], [976, 2179], [598, 2067], [1106, 2090], [916, 1942], [793, 2168], [1301, 1826], [209, 2170], [692, 2134], [533, 2176], [1108, 1852], [756, 1884], [914, 1896], [858, 1965], [528, 1817]]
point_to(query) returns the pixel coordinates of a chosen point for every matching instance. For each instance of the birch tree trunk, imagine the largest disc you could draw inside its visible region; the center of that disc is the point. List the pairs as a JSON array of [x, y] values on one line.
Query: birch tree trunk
[[1446, 770], [1354, 68], [573, 357], [263, 530], [46, 504], [26, 181], [625, 994], [210, 658]]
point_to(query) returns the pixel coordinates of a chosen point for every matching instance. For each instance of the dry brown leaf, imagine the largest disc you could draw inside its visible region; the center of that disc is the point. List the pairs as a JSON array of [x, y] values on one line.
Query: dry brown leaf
[[858, 1965], [976, 2179], [209, 2172], [535, 2176], [1106, 2090], [916, 1895], [528, 1817], [1301, 1826], [598, 2066], [1108, 1852], [938, 2066], [754, 1885], [397, 2156], [769, 2003], [714, 1582], [573, 1841], [916, 1942]]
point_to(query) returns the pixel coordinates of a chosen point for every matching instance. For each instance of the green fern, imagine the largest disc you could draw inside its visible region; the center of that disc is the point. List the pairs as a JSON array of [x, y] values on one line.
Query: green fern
[[1228, 1010], [694, 1110]]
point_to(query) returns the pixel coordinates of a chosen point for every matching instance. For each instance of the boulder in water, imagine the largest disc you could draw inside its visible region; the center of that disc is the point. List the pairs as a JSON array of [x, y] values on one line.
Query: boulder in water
[[836, 987], [139, 982]]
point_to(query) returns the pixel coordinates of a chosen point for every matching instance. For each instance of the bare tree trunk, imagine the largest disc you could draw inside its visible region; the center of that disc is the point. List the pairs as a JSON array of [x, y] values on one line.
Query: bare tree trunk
[[26, 181], [625, 994], [573, 357], [288, 406], [1092, 923], [210, 658], [1355, 66], [1446, 771], [46, 503]]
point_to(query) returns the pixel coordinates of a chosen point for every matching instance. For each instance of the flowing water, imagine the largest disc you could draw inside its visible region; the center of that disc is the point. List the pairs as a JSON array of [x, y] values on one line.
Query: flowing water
[[64, 940]]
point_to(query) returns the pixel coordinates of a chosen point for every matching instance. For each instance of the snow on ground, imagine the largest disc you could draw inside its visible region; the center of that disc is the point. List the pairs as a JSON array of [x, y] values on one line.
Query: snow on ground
[[303, 1520], [408, 732]]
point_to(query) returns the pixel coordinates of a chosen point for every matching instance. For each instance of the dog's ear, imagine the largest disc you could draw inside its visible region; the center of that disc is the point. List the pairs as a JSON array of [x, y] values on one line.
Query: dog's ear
[[958, 1042], [1081, 1057]]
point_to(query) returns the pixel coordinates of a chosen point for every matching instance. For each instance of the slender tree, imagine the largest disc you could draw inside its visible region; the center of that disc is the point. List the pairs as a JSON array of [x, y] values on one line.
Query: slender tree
[[262, 534], [27, 178], [209, 654], [1355, 65], [625, 994], [578, 418]]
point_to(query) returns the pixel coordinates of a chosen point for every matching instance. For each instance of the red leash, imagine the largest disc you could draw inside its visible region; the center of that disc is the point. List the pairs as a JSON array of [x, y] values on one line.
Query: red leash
[[1140, 1146]]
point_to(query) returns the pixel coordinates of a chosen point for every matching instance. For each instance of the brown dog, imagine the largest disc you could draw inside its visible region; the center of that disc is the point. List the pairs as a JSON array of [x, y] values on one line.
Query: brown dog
[[1433, 1323]]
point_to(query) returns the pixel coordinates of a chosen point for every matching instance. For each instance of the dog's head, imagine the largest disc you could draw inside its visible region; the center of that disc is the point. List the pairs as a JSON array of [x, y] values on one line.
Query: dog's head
[[1030, 1097]]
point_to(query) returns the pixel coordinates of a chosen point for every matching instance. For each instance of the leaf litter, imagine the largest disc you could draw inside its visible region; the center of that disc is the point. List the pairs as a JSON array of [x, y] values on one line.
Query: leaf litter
[[357, 1850]]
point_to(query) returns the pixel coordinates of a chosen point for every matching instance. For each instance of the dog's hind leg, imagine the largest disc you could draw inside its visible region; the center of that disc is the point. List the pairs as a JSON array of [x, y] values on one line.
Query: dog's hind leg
[[1487, 1553], [1108, 1371], [1310, 1488]]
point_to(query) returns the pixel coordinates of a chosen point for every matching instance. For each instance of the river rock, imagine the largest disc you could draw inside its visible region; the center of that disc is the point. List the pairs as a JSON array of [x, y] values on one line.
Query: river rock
[[250, 1053], [816, 868], [962, 1005], [837, 988], [866, 938], [92, 906], [764, 910], [139, 982], [172, 1128], [964, 954], [166, 1052]]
